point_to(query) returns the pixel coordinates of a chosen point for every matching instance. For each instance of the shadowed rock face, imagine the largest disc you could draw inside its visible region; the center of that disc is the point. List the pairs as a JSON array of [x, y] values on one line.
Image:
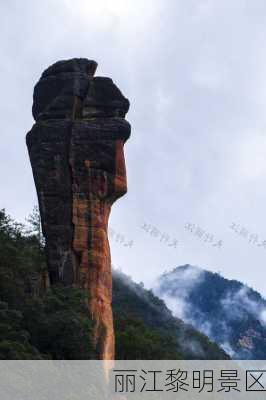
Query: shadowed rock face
[[77, 158]]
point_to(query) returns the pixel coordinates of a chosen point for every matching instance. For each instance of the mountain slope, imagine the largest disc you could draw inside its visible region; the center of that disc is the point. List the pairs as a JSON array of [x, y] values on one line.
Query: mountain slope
[[39, 323], [229, 312], [138, 312]]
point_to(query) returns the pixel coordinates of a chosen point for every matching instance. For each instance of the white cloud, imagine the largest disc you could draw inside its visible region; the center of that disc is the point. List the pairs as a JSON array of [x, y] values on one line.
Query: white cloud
[[194, 72]]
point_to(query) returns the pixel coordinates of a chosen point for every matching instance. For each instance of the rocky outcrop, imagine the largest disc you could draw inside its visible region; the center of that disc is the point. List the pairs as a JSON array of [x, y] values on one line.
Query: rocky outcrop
[[77, 158]]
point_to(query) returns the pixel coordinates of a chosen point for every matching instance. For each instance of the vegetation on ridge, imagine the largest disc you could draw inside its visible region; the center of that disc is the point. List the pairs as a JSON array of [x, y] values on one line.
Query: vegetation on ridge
[[53, 323]]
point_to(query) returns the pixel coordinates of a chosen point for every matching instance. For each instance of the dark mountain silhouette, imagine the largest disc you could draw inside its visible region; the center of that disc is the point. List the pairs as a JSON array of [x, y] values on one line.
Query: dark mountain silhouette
[[146, 328], [229, 312]]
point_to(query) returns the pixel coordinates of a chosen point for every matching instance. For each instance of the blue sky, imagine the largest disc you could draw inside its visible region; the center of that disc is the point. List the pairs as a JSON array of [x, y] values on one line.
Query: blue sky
[[194, 72]]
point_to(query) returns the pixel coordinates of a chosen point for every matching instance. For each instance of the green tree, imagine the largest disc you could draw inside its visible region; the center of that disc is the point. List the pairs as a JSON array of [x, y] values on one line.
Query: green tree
[[35, 226]]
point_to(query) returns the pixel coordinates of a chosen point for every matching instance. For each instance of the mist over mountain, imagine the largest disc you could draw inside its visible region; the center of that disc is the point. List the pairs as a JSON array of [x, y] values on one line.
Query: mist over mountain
[[146, 328], [227, 311]]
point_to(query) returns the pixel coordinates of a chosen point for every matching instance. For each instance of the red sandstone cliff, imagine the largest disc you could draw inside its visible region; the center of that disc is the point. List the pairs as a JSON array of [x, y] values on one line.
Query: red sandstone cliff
[[77, 158]]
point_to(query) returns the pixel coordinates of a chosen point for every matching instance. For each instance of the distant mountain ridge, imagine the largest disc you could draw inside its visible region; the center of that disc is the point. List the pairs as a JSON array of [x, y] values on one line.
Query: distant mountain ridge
[[227, 311], [146, 329]]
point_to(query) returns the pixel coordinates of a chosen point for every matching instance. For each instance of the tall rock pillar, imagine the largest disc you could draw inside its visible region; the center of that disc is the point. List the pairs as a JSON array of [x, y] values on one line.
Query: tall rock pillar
[[77, 158]]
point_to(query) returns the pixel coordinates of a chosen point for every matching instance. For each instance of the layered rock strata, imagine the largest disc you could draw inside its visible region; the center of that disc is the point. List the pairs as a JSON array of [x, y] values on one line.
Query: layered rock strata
[[77, 157]]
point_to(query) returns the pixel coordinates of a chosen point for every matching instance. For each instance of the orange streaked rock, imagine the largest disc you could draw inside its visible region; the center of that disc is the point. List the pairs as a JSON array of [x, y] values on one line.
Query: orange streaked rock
[[76, 149]]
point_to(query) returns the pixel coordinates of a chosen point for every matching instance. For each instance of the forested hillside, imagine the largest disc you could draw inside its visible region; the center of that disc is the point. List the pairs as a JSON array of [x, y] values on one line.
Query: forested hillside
[[229, 312], [37, 322]]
